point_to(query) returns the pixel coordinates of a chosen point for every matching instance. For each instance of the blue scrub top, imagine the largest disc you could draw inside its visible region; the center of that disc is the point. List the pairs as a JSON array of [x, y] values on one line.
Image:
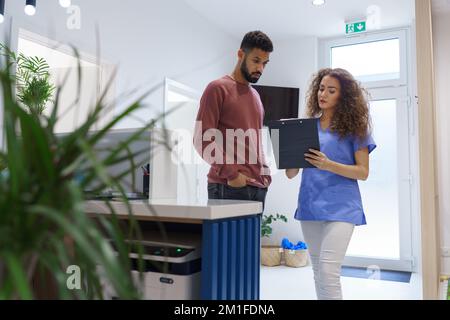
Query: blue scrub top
[[325, 196]]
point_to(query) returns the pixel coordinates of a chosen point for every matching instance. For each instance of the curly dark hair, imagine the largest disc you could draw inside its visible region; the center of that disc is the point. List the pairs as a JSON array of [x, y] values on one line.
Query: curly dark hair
[[256, 39], [352, 115]]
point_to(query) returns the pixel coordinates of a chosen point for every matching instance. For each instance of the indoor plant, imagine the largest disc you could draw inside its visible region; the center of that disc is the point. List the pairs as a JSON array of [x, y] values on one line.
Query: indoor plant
[[266, 228], [32, 80], [270, 254]]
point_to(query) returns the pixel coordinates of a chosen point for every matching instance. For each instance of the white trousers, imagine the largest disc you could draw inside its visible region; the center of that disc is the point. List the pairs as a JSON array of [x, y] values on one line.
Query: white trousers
[[327, 243]]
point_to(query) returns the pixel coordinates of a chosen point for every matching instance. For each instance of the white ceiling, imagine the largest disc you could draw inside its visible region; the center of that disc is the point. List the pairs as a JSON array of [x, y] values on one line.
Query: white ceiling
[[284, 19]]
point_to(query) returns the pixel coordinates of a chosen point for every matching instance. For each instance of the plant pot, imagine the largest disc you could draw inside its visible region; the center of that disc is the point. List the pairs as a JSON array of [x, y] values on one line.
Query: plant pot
[[296, 258], [271, 256]]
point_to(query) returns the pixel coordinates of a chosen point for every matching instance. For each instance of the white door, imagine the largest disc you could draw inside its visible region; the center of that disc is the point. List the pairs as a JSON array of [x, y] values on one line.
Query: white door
[[379, 62], [386, 239]]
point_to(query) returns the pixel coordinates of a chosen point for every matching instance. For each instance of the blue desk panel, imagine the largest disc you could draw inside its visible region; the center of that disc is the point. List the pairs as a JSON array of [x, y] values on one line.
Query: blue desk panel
[[231, 259]]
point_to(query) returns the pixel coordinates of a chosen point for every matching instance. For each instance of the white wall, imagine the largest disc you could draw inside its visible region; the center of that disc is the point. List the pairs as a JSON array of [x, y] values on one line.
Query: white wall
[[148, 40], [292, 64], [441, 39]]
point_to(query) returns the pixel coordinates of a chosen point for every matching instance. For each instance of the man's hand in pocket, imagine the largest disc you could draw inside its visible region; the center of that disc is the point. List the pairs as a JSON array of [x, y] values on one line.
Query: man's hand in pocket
[[241, 181]]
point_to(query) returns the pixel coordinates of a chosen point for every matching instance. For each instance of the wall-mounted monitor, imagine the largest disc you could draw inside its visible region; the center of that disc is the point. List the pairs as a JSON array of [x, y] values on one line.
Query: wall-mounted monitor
[[279, 102]]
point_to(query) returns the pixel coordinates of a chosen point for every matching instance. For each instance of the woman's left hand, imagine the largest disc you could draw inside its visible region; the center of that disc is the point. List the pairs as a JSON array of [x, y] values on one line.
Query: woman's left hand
[[318, 159]]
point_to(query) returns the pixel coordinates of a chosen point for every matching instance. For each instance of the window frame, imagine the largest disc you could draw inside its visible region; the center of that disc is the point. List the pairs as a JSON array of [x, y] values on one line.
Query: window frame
[[327, 44]]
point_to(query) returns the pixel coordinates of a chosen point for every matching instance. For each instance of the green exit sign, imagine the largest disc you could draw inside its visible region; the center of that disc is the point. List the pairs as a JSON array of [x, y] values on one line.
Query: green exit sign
[[355, 27]]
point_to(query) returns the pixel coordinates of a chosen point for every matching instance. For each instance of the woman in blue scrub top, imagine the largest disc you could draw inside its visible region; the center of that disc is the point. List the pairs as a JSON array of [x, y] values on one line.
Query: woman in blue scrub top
[[329, 201]]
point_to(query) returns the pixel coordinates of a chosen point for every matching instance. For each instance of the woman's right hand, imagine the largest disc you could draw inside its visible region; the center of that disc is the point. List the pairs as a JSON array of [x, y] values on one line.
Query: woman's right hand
[[291, 173]]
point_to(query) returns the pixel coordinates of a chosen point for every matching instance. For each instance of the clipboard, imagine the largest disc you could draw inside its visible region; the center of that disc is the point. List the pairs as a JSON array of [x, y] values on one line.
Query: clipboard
[[291, 139]]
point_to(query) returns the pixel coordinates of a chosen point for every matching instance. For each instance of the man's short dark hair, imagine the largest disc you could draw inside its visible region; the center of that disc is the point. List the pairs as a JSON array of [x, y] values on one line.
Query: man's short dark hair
[[256, 39]]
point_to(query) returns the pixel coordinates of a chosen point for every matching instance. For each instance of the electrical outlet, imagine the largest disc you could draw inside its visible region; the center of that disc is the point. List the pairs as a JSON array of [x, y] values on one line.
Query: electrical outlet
[[445, 252]]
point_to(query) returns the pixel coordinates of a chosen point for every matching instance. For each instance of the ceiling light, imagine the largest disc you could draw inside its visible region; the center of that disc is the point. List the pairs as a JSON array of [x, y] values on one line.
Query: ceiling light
[[65, 3], [30, 7], [318, 2], [2, 11]]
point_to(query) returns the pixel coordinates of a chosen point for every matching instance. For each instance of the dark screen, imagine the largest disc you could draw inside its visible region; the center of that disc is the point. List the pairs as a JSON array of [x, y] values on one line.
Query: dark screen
[[279, 102]]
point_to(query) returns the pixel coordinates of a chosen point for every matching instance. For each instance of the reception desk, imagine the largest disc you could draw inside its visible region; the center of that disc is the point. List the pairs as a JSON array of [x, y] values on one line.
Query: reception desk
[[230, 239]]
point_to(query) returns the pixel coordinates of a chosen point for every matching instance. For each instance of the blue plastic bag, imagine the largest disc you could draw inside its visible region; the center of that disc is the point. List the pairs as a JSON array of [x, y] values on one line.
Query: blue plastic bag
[[286, 244]]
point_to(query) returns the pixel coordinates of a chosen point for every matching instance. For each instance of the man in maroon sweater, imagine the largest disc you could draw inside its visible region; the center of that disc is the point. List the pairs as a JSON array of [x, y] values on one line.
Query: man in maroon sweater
[[229, 123]]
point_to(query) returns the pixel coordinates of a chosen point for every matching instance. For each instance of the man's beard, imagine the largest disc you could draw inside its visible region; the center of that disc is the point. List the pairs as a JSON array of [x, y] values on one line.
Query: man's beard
[[246, 73]]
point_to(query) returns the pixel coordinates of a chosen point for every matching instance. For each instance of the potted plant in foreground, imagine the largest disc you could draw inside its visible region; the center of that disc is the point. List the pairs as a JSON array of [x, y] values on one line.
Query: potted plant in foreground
[[43, 227], [270, 254]]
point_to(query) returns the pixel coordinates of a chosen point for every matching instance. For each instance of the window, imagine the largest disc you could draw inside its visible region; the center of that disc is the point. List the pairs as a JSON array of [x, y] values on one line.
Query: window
[[371, 61], [63, 63], [377, 60]]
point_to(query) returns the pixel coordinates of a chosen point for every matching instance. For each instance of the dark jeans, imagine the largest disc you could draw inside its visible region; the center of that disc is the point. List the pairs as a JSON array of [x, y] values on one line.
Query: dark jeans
[[222, 191]]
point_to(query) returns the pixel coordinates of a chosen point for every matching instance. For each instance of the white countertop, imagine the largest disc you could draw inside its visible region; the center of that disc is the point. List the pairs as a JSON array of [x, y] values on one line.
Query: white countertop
[[174, 209]]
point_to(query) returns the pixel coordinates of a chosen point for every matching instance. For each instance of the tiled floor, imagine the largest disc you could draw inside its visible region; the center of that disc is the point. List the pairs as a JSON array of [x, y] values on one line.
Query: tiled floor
[[286, 283]]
